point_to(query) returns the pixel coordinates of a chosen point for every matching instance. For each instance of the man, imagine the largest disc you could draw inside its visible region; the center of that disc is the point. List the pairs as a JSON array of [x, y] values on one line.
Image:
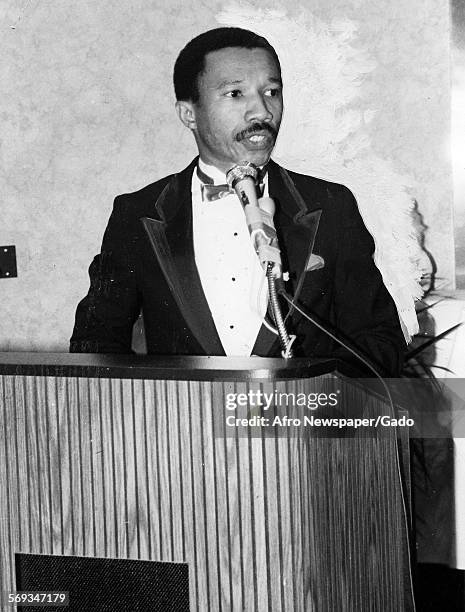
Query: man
[[184, 257]]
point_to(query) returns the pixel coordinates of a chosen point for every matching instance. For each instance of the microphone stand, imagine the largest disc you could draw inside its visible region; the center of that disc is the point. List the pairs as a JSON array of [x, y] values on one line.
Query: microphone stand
[[285, 339]]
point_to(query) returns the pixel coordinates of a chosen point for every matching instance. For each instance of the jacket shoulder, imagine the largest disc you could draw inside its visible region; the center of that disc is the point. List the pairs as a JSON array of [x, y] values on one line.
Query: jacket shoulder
[[312, 193], [319, 185], [141, 202]]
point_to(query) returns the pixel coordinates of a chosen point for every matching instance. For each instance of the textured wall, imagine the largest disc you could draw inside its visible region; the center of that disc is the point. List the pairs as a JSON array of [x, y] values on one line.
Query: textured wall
[[87, 113], [458, 130]]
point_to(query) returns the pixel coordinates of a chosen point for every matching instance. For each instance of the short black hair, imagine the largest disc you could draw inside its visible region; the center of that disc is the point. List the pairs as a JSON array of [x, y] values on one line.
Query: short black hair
[[191, 60]]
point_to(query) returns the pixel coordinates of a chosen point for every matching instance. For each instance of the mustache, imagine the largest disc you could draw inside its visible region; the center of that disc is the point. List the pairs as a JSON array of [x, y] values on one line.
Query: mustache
[[256, 128]]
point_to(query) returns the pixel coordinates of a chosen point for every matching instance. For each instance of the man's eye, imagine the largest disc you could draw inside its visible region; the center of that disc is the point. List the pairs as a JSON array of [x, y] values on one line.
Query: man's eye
[[272, 93], [235, 93]]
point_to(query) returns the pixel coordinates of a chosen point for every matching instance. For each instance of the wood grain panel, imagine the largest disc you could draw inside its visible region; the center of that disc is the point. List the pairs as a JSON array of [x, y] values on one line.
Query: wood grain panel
[[98, 488], [8, 480], [147, 469]]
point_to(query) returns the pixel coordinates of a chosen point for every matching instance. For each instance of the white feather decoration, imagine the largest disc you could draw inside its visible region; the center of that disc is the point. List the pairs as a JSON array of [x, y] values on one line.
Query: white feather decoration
[[324, 133]]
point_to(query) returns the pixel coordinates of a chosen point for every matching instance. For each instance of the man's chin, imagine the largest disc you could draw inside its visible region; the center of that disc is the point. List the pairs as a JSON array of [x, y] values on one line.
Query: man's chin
[[257, 157]]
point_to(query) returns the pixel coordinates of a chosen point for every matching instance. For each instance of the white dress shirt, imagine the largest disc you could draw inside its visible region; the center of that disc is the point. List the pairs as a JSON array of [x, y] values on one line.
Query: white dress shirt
[[232, 278]]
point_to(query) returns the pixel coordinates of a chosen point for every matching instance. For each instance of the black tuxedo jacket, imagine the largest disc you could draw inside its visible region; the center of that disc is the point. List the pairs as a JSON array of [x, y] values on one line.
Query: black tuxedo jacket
[[147, 263]]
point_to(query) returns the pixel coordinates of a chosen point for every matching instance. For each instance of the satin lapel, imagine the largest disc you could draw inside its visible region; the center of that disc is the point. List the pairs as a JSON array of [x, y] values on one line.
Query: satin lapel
[[296, 222], [170, 235], [297, 219]]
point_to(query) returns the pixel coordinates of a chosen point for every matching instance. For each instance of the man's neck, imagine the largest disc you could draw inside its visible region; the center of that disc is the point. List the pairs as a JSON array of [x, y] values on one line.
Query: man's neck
[[218, 176]]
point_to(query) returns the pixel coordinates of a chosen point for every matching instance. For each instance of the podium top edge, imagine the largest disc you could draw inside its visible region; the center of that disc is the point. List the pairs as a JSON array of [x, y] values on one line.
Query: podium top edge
[[163, 368]]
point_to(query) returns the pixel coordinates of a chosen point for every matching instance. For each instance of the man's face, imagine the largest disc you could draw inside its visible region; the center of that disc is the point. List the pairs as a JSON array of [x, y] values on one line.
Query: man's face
[[238, 114]]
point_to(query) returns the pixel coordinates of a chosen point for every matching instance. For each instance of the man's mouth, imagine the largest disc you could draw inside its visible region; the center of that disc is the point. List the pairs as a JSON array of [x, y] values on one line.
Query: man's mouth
[[257, 138], [257, 134], [258, 141]]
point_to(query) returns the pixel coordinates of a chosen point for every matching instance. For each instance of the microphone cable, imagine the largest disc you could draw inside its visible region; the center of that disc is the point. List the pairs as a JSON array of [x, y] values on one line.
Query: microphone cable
[[292, 303]]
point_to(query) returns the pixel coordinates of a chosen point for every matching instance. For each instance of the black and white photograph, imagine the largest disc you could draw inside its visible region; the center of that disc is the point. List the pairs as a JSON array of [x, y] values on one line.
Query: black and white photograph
[[232, 263]]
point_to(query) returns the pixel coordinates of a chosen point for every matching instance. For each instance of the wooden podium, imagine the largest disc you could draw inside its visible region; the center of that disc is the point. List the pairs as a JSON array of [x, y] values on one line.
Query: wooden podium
[[131, 457]]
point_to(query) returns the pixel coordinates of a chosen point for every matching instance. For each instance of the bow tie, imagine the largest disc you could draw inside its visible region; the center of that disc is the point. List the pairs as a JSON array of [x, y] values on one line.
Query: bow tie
[[211, 192]]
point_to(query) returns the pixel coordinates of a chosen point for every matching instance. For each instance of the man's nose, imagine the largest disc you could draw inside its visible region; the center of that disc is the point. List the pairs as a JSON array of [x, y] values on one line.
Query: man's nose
[[257, 109]]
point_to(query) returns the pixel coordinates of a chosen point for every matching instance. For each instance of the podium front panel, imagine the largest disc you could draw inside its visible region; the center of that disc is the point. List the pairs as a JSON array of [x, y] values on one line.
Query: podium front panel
[[130, 468]]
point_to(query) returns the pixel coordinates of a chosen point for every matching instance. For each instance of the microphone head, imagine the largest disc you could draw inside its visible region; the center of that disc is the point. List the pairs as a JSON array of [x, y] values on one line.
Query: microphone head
[[241, 171]]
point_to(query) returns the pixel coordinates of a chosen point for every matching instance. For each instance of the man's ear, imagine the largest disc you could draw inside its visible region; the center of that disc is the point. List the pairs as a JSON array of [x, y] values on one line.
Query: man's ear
[[186, 113]]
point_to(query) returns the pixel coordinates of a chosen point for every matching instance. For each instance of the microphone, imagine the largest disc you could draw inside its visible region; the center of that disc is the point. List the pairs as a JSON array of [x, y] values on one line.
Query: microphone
[[258, 214], [243, 179]]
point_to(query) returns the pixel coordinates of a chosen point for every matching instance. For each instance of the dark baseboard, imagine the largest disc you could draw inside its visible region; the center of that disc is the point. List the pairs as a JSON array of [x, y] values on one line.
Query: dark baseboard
[[439, 588]]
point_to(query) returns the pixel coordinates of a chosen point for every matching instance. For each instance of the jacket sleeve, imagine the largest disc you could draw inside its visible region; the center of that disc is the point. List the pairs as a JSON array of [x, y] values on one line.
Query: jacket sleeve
[[105, 317], [365, 310]]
